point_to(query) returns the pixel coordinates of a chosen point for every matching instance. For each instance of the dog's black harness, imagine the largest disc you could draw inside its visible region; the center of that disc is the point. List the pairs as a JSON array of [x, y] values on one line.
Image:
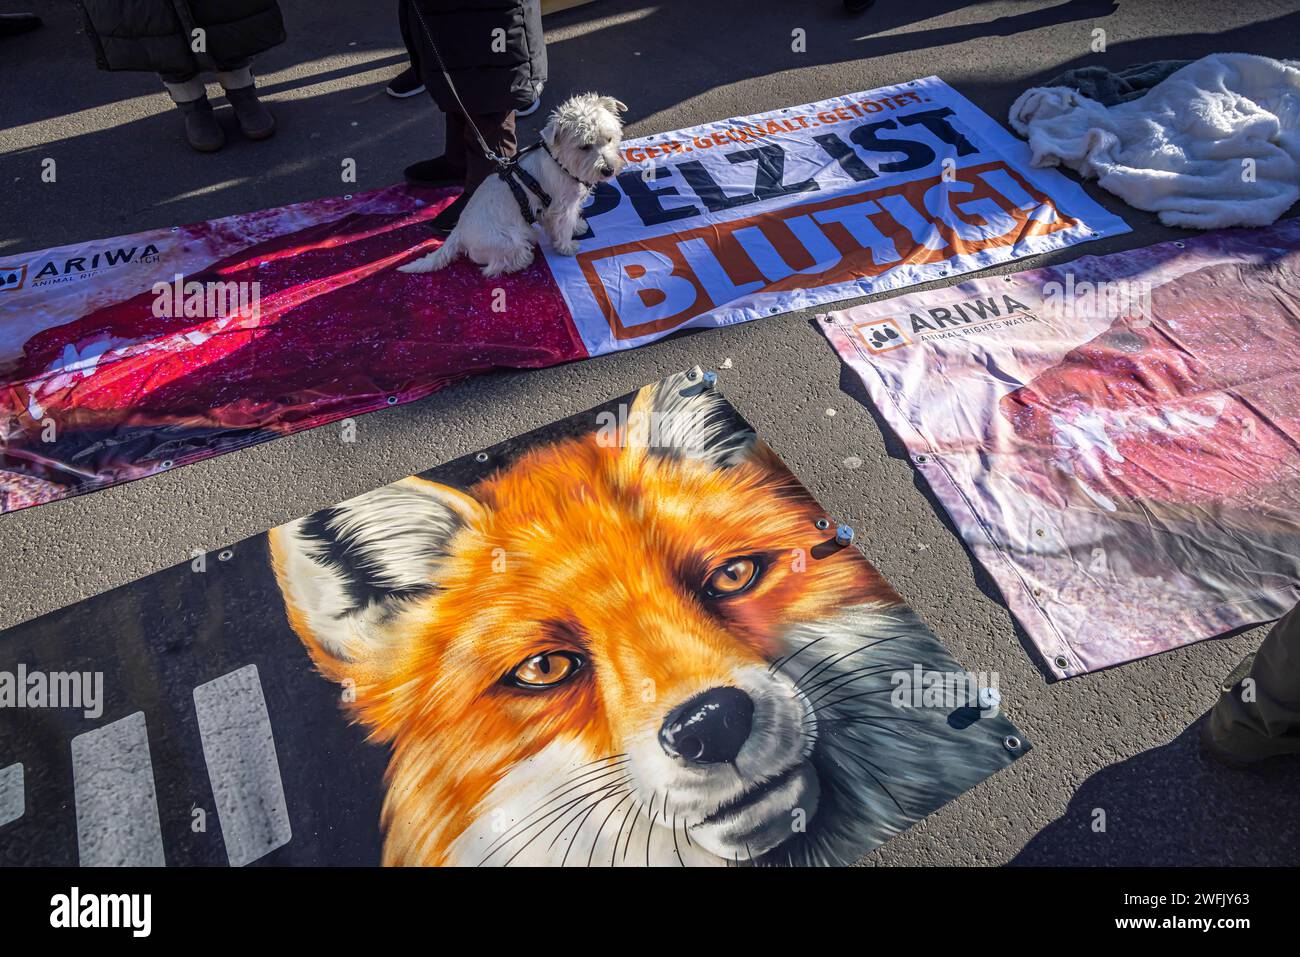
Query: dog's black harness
[[522, 182]]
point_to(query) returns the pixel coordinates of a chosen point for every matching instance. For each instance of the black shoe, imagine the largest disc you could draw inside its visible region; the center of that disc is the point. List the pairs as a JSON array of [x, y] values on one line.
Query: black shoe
[[255, 120], [435, 172], [202, 130], [446, 221], [407, 83], [12, 24], [1215, 749]]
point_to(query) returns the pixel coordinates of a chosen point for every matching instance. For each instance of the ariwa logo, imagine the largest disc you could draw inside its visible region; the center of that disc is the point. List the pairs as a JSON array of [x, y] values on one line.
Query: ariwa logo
[[882, 336], [72, 268], [12, 277]]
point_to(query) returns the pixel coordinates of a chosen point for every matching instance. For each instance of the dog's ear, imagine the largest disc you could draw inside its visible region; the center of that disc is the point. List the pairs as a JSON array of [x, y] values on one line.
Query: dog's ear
[[348, 572], [613, 105], [683, 416]]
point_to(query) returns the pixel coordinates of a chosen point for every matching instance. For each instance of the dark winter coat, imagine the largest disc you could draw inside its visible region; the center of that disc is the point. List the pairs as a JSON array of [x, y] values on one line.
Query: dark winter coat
[[493, 50], [155, 35]]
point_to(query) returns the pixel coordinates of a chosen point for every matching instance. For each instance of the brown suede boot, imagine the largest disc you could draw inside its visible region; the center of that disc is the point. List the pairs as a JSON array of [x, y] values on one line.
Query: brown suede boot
[[255, 120], [201, 127]]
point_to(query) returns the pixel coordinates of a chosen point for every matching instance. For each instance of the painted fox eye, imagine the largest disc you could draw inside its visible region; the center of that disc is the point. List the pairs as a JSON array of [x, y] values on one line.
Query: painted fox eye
[[732, 578], [545, 670]]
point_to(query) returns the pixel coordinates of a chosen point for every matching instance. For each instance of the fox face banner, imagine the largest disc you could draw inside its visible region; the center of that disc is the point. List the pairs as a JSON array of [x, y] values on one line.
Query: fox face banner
[[631, 638], [1116, 439], [124, 357]]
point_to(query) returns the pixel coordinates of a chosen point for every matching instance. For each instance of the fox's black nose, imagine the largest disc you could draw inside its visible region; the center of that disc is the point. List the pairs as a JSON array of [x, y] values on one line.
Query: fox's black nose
[[711, 728]]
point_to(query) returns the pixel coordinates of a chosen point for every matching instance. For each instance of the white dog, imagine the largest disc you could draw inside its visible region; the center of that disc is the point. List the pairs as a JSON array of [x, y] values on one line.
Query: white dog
[[580, 149]]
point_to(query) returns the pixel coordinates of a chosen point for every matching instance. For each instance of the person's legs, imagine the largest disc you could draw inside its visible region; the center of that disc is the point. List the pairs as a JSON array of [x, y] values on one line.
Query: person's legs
[[255, 120], [1259, 717], [408, 38], [236, 75], [498, 129], [183, 87], [449, 168], [408, 82], [187, 91]]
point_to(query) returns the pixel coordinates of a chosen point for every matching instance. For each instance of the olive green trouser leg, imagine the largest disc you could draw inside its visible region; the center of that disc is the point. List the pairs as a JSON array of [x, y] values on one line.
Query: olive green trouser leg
[[1270, 724]]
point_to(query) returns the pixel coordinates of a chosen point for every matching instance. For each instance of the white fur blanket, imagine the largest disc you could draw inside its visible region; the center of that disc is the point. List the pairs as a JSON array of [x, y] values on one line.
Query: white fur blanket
[[1215, 144]]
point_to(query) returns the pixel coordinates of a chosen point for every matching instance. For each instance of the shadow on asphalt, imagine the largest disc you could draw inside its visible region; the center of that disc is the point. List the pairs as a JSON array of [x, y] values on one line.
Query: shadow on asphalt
[[1172, 806], [303, 161], [885, 17]]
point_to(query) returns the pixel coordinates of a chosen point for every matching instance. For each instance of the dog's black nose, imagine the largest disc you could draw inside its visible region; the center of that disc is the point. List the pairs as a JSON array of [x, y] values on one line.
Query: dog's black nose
[[711, 728]]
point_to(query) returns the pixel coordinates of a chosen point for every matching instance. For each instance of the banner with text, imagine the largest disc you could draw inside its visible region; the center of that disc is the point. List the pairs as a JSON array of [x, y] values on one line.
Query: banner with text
[[784, 210], [1116, 439], [123, 357]]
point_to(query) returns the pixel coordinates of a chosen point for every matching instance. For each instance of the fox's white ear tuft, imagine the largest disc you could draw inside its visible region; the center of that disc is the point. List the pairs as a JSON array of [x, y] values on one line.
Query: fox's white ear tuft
[[684, 416], [347, 571]]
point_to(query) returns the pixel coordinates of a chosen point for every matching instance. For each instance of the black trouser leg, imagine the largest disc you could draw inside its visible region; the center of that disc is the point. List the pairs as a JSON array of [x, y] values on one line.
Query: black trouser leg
[[499, 131], [408, 38], [1264, 719]]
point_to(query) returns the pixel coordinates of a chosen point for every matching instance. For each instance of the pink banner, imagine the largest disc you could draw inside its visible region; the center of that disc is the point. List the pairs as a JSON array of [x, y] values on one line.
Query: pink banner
[[1117, 439], [315, 325]]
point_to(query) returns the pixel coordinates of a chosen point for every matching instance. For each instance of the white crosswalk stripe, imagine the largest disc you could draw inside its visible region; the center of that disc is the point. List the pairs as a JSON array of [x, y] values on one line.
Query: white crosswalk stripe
[[117, 805], [242, 766]]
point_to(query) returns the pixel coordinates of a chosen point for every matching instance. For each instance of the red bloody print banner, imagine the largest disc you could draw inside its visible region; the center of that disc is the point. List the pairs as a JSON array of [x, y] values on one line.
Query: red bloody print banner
[[123, 357], [1116, 439]]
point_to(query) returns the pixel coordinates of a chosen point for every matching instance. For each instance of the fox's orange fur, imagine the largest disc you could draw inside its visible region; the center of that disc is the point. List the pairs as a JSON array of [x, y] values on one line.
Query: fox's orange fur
[[589, 548]]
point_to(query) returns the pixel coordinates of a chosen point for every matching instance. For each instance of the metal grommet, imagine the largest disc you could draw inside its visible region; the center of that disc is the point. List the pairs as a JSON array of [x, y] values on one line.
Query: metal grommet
[[1011, 743], [392, 400], [923, 458], [691, 375], [481, 457], [347, 195], [1061, 662], [166, 463], [225, 555], [1180, 244], [823, 524]]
